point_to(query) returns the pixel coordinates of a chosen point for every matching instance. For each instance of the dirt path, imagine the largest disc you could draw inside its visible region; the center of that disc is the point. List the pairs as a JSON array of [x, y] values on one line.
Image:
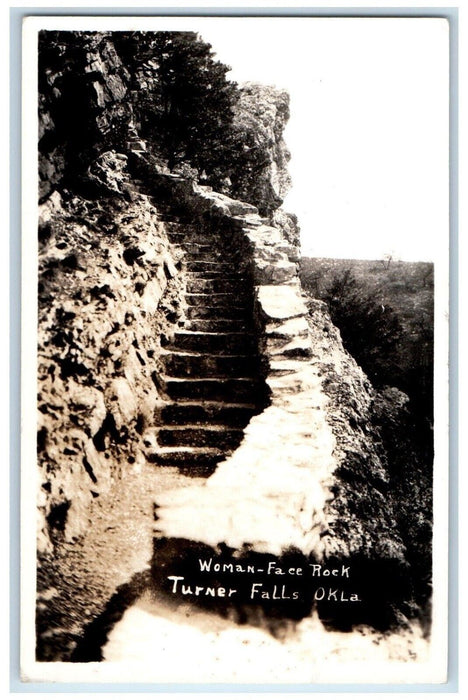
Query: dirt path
[[75, 584]]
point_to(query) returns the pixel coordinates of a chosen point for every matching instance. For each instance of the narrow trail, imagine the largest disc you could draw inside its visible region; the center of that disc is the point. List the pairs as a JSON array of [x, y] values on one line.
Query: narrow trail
[[210, 389], [76, 582], [106, 604]]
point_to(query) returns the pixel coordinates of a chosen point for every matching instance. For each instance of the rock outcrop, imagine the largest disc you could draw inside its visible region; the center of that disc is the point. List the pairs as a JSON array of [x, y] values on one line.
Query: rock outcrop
[[92, 98], [260, 117], [85, 106]]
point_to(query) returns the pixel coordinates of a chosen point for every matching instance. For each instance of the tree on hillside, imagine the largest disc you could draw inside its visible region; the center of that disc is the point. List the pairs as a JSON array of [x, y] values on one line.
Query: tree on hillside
[[191, 114], [196, 99], [188, 110], [371, 331]]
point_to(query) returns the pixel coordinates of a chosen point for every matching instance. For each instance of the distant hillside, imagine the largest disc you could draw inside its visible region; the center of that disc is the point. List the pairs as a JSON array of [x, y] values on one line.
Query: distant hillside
[[407, 289], [407, 286]]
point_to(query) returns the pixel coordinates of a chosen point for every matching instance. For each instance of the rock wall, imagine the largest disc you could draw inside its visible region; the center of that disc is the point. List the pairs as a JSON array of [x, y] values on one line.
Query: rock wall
[[104, 307], [108, 291], [93, 90], [310, 472]]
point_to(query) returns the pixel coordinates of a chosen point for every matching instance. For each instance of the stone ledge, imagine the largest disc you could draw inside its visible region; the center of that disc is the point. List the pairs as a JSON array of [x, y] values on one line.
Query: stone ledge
[[280, 302]]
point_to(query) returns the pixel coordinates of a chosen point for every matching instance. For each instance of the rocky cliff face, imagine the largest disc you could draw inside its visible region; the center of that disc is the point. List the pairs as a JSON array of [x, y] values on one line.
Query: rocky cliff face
[[91, 99], [108, 292], [99, 340], [85, 105]]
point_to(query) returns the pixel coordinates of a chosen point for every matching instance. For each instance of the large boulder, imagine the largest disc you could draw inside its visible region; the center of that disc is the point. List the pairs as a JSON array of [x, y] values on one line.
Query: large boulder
[[260, 117]]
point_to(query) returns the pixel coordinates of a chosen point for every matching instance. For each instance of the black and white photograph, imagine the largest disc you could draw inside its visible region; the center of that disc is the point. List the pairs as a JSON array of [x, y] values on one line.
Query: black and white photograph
[[235, 349]]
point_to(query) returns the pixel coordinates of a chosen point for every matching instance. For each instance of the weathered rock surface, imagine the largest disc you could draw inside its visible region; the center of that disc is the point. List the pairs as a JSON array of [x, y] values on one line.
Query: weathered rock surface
[[289, 226], [107, 287], [93, 94], [261, 114], [280, 302], [84, 105], [108, 172]]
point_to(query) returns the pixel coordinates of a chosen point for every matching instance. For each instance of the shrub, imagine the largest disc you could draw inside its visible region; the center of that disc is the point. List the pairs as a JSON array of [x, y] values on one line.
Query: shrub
[[371, 332]]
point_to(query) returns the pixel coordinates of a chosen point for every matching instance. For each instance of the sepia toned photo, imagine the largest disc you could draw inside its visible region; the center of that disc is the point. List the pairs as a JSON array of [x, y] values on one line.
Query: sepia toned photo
[[236, 243]]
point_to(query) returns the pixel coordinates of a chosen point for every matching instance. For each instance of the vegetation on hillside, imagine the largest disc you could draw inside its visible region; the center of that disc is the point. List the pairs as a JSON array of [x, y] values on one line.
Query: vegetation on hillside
[[385, 316], [384, 311], [187, 110]]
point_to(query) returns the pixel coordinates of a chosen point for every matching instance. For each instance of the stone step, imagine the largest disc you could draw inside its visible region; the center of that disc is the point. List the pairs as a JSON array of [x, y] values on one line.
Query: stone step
[[201, 460], [230, 278], [214, 274], [180, 228], [219, 325], [176, 237], [211, 412], [193, 365], [212, 343], [196, 249], [217, 299], [211, 369], [202, 286], [182, 240], [219, 436], [171, 217], [192, 234], [216, 312], [212, 256], [241, 389], [210, 266], [177, 222], [195, 235]]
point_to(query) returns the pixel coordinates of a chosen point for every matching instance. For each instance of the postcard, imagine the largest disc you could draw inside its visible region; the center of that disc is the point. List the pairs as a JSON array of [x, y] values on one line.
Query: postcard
[[235, 349]]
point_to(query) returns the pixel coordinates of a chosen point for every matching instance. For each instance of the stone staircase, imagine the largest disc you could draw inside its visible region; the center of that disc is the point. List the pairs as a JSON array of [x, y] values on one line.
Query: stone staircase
[[211, 379]]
